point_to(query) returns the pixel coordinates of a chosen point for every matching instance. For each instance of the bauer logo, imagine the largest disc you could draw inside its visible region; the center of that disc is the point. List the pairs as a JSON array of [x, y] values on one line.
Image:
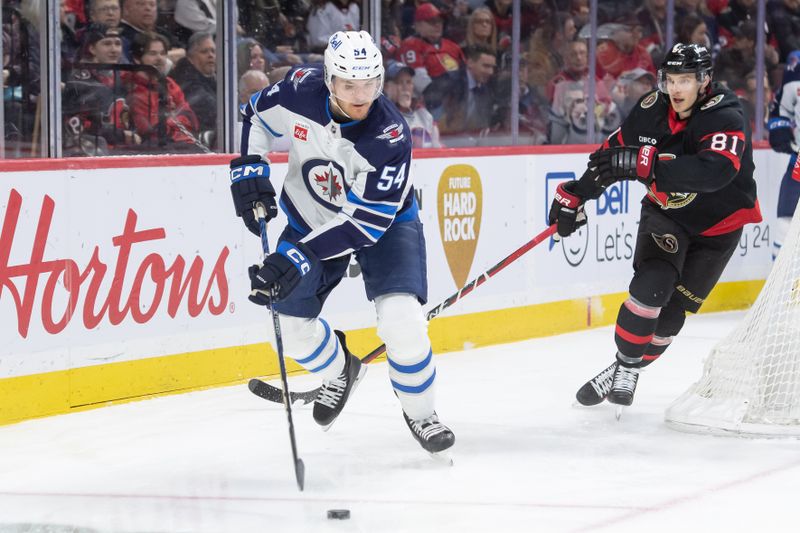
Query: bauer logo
[[460, 205]]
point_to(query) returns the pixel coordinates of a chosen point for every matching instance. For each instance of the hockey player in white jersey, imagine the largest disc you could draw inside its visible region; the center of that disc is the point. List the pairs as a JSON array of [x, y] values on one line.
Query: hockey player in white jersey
[[347, 192], [784, 136]]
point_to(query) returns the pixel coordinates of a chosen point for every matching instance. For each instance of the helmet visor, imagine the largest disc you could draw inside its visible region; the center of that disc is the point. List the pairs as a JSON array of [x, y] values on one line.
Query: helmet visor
[[356, 91]]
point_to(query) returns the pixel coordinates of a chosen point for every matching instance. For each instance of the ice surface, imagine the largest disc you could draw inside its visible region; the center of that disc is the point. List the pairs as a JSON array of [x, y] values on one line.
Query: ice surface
[[526, 459]]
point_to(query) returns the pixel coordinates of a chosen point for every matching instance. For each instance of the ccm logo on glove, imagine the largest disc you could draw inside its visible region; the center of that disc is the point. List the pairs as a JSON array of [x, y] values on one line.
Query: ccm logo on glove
[[301, 262], [249, 171]]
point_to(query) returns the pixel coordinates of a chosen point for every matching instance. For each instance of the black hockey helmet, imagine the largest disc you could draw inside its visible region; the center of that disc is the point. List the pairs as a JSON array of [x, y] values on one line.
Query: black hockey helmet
[[685, 59]]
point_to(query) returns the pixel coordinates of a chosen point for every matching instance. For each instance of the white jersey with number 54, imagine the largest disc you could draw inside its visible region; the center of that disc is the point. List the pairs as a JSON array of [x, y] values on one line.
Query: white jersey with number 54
[[346, 182]]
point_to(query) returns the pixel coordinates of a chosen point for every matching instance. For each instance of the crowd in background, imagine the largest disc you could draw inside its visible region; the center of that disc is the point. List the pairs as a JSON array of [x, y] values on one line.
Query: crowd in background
[[140, 75]]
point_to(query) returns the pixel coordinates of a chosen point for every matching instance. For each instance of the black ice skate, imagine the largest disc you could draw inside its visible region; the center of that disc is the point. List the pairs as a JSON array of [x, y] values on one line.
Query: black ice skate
[[624, 386], [432, 435], [596, 389], [334, 393]]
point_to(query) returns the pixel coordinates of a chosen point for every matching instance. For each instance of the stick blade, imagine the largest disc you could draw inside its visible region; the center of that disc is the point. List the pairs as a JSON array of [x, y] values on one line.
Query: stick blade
[[300, 473]]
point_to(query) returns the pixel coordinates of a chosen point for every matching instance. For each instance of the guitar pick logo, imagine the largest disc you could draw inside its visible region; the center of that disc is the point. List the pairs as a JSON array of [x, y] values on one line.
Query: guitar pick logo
[[460, 205]]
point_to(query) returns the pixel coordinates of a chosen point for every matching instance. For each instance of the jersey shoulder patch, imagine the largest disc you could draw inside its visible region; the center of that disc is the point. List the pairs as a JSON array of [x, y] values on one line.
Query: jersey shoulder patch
[[712, 102], [649, 100]]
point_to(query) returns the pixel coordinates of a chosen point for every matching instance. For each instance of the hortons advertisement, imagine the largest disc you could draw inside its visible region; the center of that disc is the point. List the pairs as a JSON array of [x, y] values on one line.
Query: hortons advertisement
[[106, 268]]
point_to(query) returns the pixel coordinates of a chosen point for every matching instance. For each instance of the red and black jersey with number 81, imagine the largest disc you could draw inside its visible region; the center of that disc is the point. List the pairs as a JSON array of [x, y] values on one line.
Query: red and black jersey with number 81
[[704, 175]]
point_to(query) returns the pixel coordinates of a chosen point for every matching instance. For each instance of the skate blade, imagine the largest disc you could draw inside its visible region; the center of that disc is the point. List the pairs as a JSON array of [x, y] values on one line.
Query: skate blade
[[443, 457], [618, 412], [352, 391]]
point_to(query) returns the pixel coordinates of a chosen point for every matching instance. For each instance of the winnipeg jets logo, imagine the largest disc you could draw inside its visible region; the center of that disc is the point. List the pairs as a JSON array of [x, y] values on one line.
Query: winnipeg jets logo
[[326, 183], [329, 183], [301, 74], [393, 133]]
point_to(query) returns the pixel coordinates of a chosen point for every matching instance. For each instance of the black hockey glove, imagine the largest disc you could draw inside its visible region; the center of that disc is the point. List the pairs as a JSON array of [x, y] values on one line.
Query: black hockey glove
[[250, 186], [781, 135], [281, 271], [567, 209], [625, 163]]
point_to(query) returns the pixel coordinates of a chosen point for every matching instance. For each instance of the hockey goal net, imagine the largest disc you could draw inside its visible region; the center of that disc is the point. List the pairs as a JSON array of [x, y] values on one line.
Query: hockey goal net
[[751, 380]]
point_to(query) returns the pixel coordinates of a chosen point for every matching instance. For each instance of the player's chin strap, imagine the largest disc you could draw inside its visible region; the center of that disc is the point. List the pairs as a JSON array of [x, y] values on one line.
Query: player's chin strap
[[338, 109]]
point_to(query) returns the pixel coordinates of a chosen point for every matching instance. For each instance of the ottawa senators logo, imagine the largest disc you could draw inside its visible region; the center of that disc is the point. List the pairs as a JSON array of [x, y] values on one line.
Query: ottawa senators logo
[[667, 242], [711, 103], [649, 100]]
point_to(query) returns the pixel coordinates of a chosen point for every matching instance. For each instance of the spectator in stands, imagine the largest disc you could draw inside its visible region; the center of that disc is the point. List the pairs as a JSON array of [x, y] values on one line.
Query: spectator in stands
[[251, 82], [95, 115], [329, 16], [456, 18], [70, 42], [102, 44], [579, 10], [250, 56], [76, 10], [106, 12], [692, 29], [390, 38], [576, 68], [278, 73], [699, 8], [399, 89], [140, 16], [549, 40], [618, 51], [630, 87], [735, 13], [196, 75], [533, 14], [734, 63], [427, 52], [197, 15], [568, 119], [652, 18], [148, 106], [784, 23], [464, 102], [481, 29], [747, 96], [533, 108], [21, 80]]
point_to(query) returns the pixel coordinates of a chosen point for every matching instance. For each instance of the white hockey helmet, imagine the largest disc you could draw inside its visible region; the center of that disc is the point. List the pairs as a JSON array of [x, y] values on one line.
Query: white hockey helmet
[[352, 55]]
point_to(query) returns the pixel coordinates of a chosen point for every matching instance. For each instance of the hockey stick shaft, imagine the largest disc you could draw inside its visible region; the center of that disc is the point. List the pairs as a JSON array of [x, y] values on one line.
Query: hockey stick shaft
[[268, 392], [299, 467]]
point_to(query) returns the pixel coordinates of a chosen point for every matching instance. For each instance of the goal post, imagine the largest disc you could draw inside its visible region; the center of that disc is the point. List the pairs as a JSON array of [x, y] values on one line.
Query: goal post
[[751, 379]]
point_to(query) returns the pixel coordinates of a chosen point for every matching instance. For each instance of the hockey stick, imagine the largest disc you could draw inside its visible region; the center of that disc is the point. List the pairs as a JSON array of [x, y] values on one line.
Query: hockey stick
[[299, 467], [273, 394]]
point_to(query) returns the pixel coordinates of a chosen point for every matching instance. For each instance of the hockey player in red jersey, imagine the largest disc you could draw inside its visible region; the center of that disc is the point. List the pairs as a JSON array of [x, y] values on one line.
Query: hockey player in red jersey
[[689, 144]]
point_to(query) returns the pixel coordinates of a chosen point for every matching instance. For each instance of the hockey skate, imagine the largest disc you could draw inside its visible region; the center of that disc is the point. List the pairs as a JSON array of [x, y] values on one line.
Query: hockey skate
[[596, 389], [432, 435], [334, 393], [624, 386]]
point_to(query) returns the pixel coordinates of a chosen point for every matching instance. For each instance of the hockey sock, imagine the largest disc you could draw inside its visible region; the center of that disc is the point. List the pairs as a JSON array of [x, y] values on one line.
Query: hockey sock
[[636, 323], [655, 349]]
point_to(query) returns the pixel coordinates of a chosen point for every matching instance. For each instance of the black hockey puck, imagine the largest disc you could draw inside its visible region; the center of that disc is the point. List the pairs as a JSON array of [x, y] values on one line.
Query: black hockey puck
[[338, 514]]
